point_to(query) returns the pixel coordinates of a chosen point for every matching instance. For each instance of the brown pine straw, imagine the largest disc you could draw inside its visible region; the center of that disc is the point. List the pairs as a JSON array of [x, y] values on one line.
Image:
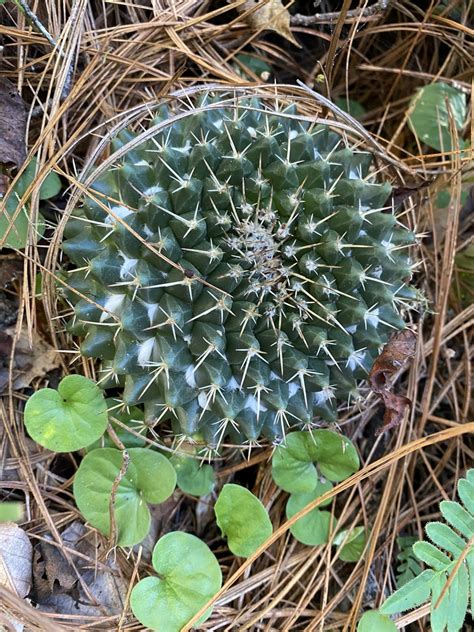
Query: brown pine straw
[[124, 56]]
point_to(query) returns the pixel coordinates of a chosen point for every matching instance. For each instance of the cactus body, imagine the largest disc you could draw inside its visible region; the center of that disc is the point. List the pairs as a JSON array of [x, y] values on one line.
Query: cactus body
[[245, 269]]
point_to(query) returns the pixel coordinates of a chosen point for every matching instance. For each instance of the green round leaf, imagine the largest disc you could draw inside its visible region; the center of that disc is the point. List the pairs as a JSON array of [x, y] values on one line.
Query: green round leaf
[[256, 65], [16, 235], [68, 419], [353, 546], [430, 117], [375, 622], [149, 478], [352, 107], [242, 519], [188, 576], [50, 187], [312, 529], [193, 477], [293, 466]]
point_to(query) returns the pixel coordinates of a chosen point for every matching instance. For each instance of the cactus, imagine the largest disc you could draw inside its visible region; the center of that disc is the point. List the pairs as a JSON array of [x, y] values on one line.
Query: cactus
[[240, 269]]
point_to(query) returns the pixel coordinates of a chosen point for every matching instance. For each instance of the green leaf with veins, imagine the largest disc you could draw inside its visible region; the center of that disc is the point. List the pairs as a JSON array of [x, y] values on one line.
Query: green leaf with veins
[[313, 528], [351, 546], [242, 519], [294, 462], [430, 117], [188, 576], [193, 476], [149, 478], [68, 419]]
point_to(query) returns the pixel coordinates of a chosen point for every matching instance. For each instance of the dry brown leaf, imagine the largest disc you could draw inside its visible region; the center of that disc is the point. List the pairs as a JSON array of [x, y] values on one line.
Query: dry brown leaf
[[11, 269], [12, 125], [52, 570], [16, 554], [29, 362], [56, 586], [271, 15], [398, 350]]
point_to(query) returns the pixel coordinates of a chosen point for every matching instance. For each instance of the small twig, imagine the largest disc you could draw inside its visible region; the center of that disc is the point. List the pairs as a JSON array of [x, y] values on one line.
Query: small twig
[[34, 20], [319, 18], [113, 494], [115, 438]]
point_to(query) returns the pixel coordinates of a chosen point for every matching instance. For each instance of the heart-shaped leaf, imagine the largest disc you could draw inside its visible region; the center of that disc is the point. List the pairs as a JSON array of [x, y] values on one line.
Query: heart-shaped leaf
[[17, 235], [149, 478], [188, 576], [293, 463], [16, 230], [430, 118], [352, 107], [68, 419], [193, 477], [242, 519], [354, 544], [312, 529], [50, 187]]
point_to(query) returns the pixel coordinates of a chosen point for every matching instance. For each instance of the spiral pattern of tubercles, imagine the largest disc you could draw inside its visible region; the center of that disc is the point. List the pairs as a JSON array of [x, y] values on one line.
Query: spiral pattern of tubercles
[[245, 268]]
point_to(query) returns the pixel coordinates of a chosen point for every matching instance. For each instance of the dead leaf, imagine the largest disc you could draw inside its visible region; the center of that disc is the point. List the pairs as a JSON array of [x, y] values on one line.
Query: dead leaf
[[52, 570], [12, 125], [56, 585], [16, 555], [29, 361], [398, 350], [11, 268], [271, 15], [4, 183]]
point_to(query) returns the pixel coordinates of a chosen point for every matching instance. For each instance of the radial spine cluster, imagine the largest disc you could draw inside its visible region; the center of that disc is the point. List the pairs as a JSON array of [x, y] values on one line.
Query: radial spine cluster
[[240, 270]]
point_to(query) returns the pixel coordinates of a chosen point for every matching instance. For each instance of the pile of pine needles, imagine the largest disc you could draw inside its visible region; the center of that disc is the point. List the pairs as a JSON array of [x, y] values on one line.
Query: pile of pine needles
[[82, 65]]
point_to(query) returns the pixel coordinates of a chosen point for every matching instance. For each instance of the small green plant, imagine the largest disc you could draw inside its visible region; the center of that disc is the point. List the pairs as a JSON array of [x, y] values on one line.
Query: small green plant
[[409, 566], [68, 419], [306, 466], [148, 477], [193, 476], [351, 543], [16, 234], [448, 582], [430, 117], [314, 528], [242, 519], [304, 456], [188, 575]]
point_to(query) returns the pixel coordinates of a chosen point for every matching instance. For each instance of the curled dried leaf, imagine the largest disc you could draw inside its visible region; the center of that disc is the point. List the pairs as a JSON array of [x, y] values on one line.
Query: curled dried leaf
[[270, 15], [398, 350]]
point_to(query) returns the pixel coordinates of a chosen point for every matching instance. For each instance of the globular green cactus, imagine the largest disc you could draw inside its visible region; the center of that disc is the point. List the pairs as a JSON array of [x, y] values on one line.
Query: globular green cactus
[[242, 269]]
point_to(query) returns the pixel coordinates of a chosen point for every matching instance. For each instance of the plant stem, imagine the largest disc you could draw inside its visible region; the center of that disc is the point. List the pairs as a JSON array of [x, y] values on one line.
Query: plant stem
[[33, 19], [318, 18]]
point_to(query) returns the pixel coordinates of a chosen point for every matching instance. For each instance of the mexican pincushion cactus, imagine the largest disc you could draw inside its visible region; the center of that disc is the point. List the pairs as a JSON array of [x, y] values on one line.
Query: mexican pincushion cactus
[[240, 269]]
